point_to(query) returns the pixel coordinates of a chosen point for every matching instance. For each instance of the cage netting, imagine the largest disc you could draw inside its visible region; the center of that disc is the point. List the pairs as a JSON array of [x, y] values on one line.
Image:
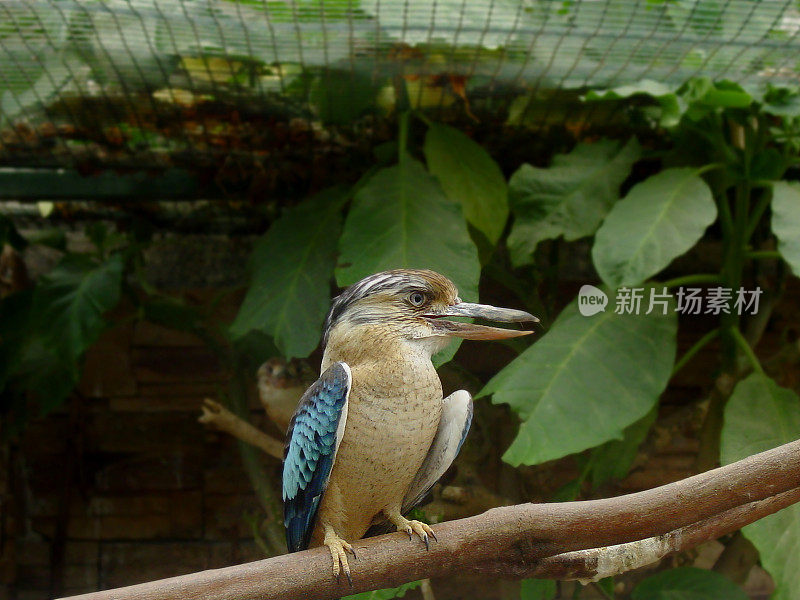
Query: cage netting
[[154, 83]]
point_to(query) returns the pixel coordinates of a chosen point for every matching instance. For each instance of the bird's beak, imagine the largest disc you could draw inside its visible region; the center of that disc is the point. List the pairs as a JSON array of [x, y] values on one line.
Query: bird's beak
[[471, 331]]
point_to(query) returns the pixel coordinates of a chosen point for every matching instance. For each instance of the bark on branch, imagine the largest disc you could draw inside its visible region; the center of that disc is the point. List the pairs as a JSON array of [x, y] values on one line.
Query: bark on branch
[[217, 416], [513, 541]]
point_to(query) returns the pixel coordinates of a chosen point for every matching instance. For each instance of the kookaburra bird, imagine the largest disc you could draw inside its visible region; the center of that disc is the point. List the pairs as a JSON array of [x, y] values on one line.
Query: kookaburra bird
[[373, 434]]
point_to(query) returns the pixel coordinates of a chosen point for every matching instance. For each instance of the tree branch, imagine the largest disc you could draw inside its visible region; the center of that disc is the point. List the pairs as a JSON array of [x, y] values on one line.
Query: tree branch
[[217, 416], [598, 563], [506, 542]]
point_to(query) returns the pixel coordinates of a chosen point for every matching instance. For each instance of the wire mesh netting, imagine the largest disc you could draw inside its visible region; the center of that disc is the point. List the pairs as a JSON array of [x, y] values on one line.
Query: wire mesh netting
[[142, 81]]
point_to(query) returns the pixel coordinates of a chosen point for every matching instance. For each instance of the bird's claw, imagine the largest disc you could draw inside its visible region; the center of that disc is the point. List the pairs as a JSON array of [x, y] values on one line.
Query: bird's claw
[[423, 530], [349, 577], [338, 549]]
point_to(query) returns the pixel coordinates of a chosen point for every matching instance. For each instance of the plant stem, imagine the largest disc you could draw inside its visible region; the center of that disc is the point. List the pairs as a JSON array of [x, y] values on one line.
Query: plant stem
[[710, 167], [732, 272], [690, 279], [402, 137], [746, 350], [725, 218], [756, 214], [696, 347], [764, 255], [762, 183], [423, 117]]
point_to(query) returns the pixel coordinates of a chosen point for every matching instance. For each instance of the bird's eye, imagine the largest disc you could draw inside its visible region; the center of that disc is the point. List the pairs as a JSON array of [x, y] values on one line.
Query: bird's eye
[[416, 298]]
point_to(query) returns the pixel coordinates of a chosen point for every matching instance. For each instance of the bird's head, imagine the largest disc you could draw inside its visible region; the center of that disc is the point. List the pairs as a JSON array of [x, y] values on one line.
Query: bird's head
[[412, 305]]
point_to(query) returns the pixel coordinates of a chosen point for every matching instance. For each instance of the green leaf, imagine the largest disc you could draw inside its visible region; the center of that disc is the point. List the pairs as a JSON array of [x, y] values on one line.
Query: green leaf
[[289, 293], [727, 95], [470, 176], [386, 594], [568, 492], [688, 583], [659, 219], [33, 364], [758, 416], [613, 459], [781, 101], [173, 313], [786, 221], [671, 104], [704, 96], [400, 218], [70, 301], [15, 311], [340, 97], [568, 199], [254, 348], [586, 380], [537, 589], [607, 585], [767, 164]]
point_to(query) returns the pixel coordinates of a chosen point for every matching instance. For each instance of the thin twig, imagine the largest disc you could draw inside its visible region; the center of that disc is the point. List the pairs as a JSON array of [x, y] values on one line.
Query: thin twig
[[217, 416]]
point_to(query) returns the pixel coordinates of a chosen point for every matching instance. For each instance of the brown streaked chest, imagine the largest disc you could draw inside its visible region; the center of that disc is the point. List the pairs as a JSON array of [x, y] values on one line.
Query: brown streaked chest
[[393, 414], [398, 403]]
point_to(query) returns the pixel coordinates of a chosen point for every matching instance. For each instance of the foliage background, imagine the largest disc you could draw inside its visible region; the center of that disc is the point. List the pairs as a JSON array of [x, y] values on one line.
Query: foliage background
[[442, 160]]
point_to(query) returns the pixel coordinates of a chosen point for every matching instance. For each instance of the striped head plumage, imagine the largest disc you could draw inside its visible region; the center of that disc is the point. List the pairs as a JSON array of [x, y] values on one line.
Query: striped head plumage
[[410, 304]]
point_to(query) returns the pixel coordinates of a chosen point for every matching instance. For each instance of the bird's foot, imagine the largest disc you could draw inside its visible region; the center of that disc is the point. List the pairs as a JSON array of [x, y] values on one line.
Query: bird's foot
[[423, 530], [339, 548]]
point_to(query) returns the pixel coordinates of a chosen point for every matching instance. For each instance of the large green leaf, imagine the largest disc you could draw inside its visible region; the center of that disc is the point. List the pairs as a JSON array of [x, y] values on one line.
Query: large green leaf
[[568, 199], [761, 415], [470, 176], [786, 221], [44, 333], [586, 380], [70, 301], [401, 218], [688, 583], [292, 264], [31, 366], [613, 459], [659, 219]]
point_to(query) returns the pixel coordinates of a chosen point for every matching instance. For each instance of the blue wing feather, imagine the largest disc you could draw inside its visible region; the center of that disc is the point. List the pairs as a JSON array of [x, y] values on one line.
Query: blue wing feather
[[312, 441]]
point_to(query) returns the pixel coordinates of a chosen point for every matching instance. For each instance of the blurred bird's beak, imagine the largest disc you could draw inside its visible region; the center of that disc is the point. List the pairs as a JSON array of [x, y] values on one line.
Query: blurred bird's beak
[[471, 331]]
